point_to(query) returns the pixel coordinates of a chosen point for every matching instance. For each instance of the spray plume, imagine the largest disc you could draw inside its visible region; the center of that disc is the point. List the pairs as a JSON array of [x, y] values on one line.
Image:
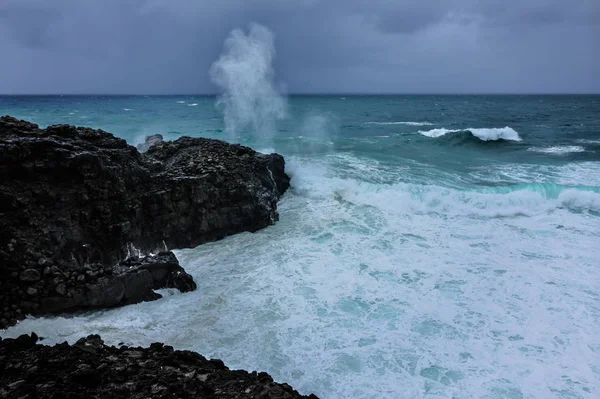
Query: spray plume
[[244, 73]]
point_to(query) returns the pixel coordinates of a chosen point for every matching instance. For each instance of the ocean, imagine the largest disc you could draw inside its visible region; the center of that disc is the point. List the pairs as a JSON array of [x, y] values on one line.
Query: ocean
[[429, 247]]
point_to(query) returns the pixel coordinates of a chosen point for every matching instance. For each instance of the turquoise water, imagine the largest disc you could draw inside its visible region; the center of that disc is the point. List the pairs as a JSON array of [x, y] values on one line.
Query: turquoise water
[[430, 246]]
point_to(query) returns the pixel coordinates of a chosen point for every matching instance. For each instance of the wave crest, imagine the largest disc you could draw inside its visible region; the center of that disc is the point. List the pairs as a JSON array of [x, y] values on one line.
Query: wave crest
[[484, 134], [527, 200], [400, 123]]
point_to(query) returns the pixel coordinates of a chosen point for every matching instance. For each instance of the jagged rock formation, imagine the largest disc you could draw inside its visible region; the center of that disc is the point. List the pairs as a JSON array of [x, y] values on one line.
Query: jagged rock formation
[[74, 202], [131, 281], [90, 369]]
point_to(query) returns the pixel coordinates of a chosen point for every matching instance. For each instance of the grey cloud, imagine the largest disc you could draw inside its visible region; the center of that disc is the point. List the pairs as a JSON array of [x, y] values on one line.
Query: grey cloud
[[29, 26], [167, 46]]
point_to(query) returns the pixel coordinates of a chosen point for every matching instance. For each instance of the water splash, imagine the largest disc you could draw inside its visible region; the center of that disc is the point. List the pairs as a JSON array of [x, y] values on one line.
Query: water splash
[[244, 73]]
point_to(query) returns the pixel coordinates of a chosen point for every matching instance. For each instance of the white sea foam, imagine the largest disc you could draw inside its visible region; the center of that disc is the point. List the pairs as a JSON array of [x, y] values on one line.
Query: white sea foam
[[584, 173], [485, 134], [180, 102], [438, 132], [193, 105], [558, 150], [409, 199], [126, 109], [366, 290], [580, 200], [387, 291], [401, 123]]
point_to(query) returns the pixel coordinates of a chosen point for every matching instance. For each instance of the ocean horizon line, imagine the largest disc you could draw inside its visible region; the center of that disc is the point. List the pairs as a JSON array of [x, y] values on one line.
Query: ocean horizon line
[[295, 94]]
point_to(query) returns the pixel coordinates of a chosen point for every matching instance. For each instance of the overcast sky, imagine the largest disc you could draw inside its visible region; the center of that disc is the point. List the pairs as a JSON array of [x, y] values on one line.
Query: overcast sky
[[369, 46]]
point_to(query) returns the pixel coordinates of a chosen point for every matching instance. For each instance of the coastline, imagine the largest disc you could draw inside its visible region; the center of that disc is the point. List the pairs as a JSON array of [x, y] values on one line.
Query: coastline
[[89, 224], [89, 368]]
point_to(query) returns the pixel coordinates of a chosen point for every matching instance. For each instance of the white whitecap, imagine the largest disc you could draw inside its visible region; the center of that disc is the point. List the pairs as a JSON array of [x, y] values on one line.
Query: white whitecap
[[587, 141], [180, 102], [558, 150], [580, 200], [126, 109], [437, 132], [484, 134], [192, 105], [401, 123]]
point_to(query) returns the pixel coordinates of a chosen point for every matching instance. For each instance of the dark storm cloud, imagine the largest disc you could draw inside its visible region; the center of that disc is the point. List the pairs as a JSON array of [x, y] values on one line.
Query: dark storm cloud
[[167, 46]]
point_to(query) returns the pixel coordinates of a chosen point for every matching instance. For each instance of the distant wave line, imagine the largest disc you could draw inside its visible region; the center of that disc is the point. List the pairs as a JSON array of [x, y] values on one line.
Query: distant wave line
[[401, 123], [484, 134], [558, 150]]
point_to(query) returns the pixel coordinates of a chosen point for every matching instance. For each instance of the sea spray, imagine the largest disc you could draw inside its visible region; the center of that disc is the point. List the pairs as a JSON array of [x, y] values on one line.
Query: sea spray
[[317, 132], [244, 73]]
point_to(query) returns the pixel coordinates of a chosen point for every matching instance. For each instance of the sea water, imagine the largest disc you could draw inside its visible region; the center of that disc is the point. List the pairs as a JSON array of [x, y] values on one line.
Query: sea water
[[429, 246]]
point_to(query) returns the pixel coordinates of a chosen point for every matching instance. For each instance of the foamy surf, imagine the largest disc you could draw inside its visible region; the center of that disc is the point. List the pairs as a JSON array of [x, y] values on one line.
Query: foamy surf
[[402, 288], [484, 134], [516, 200], [193, 105], [558, 150], [399, 268], [406, 199]]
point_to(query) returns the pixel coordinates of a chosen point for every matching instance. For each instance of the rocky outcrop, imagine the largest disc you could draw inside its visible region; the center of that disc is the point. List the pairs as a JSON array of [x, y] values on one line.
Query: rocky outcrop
[[90, 369], [131, 281], [74, 202]]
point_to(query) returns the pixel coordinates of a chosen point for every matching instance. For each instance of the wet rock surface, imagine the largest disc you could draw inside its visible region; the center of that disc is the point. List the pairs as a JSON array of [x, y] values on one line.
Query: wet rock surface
[[131, 281], [79, 208], [90, 369]]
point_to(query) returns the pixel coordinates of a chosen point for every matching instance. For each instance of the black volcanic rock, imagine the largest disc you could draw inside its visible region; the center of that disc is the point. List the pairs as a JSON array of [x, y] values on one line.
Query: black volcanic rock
[[90, 369], [131, 281], [74, 202]]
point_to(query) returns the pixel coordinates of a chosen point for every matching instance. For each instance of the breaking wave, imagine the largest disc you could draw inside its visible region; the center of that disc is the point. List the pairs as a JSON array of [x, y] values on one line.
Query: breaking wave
[[401, 123], [484, 134], [405, 198]]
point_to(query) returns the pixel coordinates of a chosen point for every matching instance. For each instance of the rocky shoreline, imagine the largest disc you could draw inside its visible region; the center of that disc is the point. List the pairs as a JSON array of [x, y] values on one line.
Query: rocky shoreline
[[87, 223], [76, 203], [90, 369]]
